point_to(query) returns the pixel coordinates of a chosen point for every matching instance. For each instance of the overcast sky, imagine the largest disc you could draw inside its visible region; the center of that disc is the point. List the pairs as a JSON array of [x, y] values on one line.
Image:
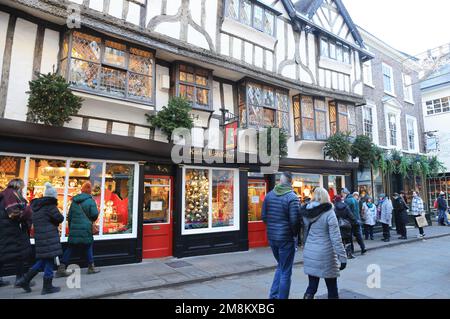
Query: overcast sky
[[412, 26]]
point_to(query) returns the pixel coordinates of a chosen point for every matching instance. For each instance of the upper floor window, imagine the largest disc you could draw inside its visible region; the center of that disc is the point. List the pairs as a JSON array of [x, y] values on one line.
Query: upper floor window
[[407, 88], [388, 79], [262, 105], [392, 123], [334, 50], [342, 118], [108, 67], [310, 118], [367, 73], [438, 106], [411, 128], [251, 14], [368, 122], [194, 84]]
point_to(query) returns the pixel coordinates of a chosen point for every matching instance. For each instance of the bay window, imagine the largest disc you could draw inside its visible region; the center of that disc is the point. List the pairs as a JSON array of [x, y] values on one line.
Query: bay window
[[108, 67], [262, 105], [194, 84], [309, 118], [253, 14], [342, 118]]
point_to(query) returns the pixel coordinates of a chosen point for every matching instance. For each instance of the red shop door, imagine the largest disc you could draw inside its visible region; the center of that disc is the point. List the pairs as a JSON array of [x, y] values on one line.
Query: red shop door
[[157, 230], [257, 235]]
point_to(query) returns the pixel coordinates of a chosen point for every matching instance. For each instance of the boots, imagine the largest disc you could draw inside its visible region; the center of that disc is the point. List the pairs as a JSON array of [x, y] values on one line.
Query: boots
[[61, 272], [308, 296], [92, 270], [24, 282], [32, 283], [3, 283], [48, 287], [348, 249]]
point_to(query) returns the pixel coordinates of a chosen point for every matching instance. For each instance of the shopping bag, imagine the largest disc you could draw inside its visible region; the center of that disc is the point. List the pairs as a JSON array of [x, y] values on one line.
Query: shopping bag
[[422, 221]]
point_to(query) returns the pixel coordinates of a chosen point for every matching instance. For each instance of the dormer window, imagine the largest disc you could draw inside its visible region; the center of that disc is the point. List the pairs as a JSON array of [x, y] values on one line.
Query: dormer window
[[251, 13], [334, 50]]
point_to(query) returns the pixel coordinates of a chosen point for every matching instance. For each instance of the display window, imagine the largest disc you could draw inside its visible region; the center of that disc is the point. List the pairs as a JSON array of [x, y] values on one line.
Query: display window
[[257, 191], [113, 188], [304, 185], [335, 185], [156, 203], [210, 200], [11, 167]]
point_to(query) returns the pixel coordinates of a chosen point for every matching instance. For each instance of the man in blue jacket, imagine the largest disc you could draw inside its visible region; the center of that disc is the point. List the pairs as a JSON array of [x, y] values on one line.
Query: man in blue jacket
[[352, 200], [281, 214]]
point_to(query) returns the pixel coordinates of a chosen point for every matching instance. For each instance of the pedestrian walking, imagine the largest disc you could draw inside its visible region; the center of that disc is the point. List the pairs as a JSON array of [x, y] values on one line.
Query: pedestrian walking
[[370, 218], [346, 220], [324, 254], [15, 224], [442, 210], [82, 215], [46, 218], [417, 209], [281, 214], [352, 201], [401, 213], [385, 215]]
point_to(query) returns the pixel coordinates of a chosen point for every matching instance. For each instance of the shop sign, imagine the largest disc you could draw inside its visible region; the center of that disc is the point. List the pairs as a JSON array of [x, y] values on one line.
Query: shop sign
[[156, 206], [231, 136], [61, 172]]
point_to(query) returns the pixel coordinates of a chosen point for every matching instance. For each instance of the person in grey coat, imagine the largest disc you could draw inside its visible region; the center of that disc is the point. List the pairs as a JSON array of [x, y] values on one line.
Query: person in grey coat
[[385, 215], [324, 250]]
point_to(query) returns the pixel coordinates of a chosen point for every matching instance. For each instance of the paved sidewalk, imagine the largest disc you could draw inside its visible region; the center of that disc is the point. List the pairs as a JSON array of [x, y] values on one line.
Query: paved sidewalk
[[169, 272]]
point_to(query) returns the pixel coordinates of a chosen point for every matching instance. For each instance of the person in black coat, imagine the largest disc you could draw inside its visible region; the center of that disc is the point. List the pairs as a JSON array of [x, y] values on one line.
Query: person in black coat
[[15, 223], [346, 221], [401, 213], [46, 219]]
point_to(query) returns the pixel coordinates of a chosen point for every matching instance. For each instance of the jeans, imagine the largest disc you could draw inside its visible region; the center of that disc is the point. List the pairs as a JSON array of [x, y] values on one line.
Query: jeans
[[386, 231], [284, 252], [368, 231], [357, 233], [87, 248], [443, 217], [331, 286], [47, 265]]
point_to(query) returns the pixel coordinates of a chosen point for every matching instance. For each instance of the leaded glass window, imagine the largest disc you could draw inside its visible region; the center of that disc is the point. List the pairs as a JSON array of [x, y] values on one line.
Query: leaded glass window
[[194, 84], [258, 18], [342, 118], [321, 119], [251, 14], [108, 67], [246, 12], [310, 118]]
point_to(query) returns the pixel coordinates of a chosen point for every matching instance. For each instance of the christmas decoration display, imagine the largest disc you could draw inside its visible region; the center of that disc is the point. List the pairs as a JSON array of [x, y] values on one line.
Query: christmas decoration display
[[223, 210], [197, 198]]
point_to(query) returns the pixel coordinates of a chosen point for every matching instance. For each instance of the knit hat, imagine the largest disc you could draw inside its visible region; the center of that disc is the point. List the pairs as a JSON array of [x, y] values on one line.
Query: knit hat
[[337, 199], [50, 191], [86, 188], [345, 191]]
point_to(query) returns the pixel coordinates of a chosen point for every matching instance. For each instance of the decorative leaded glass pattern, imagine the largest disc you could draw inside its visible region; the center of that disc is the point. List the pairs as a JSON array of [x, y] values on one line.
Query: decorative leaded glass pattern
[[110, 68], [251, 14], [246, 12], [307, 111], [233, 9], [321, 119], [194, 84]]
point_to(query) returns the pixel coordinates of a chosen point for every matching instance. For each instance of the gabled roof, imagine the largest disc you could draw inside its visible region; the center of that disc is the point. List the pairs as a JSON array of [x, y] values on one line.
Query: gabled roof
[[309, 8]]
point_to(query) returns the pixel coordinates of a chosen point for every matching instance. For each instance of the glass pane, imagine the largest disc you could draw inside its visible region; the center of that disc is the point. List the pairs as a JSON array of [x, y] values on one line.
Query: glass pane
[[321, 126], [81, 172], [196, 199], [258, 18], [269, 19], [11, 168], [269, 117], [141, 62], [308, 129], [233, 9], [296, 101], [254, 94], [283, 121], [223, 198], [332, 50], [283, 102], [307, 107], [118, 201], [297, 128], [343, 124], [242, 107], [115, 53], [246, 12], [84, 74], [113, 81], [140, 86], [304, 185], [42, 171], [339, 54], [324, 47], [186, 74], [156, 200], [319, 104], [201, 80], [187, 92], [256, 196], [269, 97], [86, 47], [254, 115], [346, 55], [203, 97], [333, 115], [342, 108]]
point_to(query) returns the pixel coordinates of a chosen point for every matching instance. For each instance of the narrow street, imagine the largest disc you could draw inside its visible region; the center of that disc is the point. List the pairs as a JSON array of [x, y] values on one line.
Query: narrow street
[[417, 270]]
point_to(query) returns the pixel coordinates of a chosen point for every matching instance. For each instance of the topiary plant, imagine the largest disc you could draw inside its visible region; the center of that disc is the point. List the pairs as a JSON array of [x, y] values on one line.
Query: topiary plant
[[51, 100], [338, 147], [175, 115]]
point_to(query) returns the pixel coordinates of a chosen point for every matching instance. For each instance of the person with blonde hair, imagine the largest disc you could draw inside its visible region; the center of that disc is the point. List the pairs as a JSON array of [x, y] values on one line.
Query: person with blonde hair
[[324, 254]]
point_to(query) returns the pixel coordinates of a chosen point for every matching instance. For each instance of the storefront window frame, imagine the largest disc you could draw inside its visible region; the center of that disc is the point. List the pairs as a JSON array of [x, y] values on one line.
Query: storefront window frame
[[170, 185], [255, 180], [63, 238], [236, 204]]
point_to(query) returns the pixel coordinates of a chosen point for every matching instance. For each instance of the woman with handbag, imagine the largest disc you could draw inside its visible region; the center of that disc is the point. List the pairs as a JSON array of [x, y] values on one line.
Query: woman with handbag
[[417, 210], [46, 219], [346, 220], [82, 215], [15, 224]]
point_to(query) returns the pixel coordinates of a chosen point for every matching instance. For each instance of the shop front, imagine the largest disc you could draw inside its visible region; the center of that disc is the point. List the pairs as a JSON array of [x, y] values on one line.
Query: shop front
[[258, 186]]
